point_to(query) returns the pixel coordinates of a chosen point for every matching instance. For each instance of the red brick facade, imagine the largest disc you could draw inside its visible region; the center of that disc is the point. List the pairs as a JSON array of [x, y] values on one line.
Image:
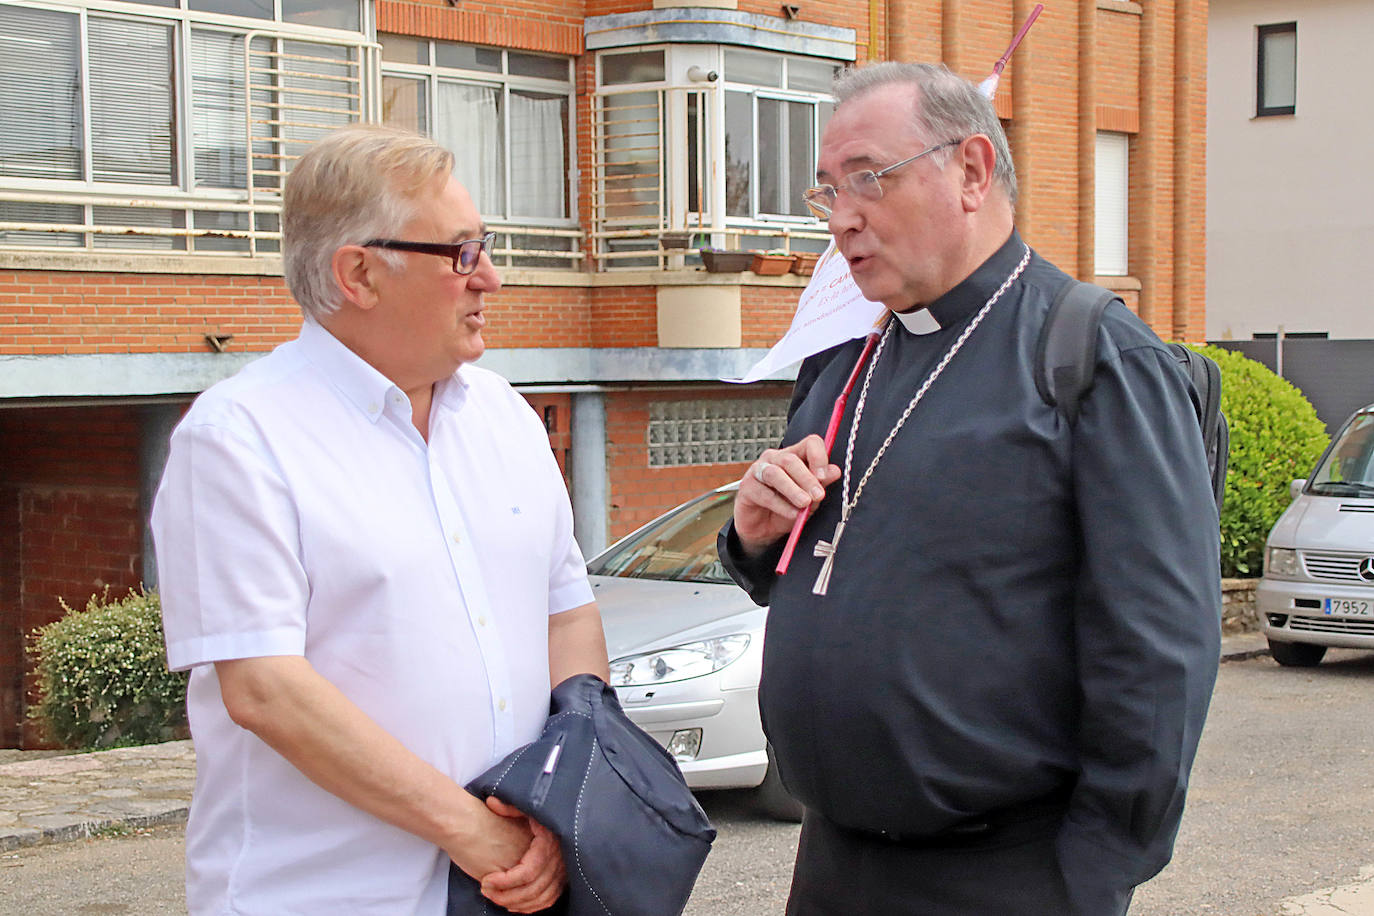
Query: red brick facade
[[69, 526]]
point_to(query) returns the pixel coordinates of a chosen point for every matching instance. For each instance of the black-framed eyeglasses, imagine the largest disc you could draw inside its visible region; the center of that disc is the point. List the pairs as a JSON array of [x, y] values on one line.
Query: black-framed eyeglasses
[[464, 254], [863, 184]]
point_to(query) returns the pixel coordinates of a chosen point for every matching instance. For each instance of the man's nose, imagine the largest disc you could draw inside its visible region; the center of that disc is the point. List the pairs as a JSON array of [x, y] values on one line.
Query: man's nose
[[485, 278], [845, 214]]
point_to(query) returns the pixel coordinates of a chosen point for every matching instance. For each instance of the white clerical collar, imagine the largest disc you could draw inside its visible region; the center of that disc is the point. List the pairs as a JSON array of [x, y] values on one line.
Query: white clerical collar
[[918, 321]]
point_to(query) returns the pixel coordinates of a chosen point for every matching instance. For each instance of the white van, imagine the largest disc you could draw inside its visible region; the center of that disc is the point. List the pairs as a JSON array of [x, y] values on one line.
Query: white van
[[1318, 584]]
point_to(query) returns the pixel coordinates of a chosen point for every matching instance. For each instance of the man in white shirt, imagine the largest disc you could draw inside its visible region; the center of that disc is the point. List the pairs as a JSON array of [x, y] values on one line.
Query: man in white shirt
[[366, 560]]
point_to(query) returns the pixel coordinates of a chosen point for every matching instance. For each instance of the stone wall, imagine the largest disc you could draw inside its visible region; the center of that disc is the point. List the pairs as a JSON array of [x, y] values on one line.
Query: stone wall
[[1238, 614]]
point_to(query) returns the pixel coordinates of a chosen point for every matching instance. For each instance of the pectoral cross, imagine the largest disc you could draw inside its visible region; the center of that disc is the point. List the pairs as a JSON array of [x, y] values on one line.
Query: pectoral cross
[[827, 549]]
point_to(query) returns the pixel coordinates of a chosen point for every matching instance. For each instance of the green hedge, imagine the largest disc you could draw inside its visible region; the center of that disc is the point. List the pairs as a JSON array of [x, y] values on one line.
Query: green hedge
[[1275, 437], [102, 675]]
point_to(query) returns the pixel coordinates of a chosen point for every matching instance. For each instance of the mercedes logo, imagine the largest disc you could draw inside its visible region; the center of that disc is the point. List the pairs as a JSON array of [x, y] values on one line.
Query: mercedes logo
[[1367, 569]]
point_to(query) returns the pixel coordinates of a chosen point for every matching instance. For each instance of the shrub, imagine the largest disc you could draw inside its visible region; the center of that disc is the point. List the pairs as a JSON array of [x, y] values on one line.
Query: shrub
[[1275, 437], [102, 675]]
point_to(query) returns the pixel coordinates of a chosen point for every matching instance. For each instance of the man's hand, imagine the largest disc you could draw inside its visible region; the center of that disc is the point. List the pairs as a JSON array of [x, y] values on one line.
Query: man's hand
[[536, 881], [779, 485]]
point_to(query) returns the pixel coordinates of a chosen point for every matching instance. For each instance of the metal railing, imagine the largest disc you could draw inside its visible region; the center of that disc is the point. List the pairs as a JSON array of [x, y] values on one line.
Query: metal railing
[[636, 222]]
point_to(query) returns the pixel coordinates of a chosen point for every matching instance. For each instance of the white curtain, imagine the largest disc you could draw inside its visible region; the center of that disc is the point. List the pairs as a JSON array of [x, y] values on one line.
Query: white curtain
[[537, 130], [469, 124]]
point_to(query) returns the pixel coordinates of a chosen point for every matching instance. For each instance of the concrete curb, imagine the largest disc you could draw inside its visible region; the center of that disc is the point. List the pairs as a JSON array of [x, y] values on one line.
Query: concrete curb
[[61, 798], [82, 830]]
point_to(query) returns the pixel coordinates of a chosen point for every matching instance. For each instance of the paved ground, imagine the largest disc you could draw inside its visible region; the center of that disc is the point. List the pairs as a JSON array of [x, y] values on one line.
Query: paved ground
[[51, 798], [46, 798]]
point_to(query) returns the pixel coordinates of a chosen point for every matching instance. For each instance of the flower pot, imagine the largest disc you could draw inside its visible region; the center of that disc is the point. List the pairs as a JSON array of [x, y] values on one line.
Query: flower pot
[[675, 239], [771, 265], [803, 264], [720, 262]]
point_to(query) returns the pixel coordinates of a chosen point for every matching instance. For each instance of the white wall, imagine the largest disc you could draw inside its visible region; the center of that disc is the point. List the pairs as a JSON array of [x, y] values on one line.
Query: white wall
[[1290, 199]]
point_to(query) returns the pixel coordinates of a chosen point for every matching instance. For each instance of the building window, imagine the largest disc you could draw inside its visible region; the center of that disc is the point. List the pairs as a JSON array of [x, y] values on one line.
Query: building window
[[506, 117], [116, 129], [1112, 196], [1277, 70], [775, 110], [723, 431], [712, 142]]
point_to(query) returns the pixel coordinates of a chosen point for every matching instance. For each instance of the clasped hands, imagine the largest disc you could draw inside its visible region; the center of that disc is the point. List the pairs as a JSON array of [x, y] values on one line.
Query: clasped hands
[[537, 878]]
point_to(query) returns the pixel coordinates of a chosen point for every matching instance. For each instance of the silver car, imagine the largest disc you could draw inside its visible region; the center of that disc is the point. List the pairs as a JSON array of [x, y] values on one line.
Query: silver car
[[1318, 584], [686, 647]]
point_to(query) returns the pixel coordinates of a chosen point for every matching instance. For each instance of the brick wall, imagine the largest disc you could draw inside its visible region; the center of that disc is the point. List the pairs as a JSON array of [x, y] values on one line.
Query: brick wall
[[47, 312], [70, 511], [556, 412], [639, 493], [533, 25], [11, 635], [766, 313], [624, 316]]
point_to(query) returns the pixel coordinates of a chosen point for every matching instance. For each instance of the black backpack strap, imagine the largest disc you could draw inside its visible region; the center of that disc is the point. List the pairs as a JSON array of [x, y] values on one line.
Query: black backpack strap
[[1066, 352], [1205, 376]]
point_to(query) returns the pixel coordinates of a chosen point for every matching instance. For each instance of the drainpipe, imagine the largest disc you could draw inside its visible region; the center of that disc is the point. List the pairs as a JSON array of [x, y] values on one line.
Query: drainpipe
[[589, 489], [1144, 245], [156, 423], [1190, 163], [1087, 140]]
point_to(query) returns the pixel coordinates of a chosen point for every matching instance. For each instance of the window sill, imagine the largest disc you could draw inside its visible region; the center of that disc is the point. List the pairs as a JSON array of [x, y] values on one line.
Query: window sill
[[684, 277], [137, 262], [1118, 284]]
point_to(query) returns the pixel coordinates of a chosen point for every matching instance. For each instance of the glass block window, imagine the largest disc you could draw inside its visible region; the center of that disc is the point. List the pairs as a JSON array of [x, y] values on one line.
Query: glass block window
[[713, 431]]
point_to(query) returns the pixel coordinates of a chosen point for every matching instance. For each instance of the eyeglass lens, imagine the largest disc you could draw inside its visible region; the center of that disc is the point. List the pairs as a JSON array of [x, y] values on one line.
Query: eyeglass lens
[[862, 184], [470, 251]]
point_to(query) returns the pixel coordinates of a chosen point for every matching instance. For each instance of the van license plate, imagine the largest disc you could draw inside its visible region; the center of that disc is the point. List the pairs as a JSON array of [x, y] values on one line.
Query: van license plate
[[1347, 607]]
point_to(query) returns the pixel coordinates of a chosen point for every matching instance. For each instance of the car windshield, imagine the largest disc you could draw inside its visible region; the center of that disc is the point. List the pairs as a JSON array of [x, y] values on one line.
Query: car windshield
[[1347, 468], [680, 547]]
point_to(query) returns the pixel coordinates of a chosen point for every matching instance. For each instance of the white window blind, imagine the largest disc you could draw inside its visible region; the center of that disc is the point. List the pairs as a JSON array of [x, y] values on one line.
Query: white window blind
[[1112, 194], [217, 110], [132, 90], [40, 94]]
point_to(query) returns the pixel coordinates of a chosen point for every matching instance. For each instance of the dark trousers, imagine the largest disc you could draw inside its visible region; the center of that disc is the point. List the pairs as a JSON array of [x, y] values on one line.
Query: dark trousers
[[840, 872]]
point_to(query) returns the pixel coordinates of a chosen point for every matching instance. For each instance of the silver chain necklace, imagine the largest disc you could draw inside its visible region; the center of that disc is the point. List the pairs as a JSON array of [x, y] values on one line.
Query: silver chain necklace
[[827, 549]]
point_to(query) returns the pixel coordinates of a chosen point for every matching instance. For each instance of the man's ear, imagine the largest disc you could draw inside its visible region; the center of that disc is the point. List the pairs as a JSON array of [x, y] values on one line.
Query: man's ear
[[978, 162], [355, 273]]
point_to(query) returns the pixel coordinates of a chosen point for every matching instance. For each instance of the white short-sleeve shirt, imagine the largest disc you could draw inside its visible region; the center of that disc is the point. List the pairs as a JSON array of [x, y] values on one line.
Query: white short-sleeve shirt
[[301, 513]]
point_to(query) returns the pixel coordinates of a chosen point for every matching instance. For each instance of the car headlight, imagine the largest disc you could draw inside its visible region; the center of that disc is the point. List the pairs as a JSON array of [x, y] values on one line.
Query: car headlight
[[1282, 563], [678, 663]]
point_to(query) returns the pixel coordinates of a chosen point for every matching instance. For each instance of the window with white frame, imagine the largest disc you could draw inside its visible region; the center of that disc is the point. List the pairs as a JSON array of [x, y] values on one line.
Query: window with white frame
[[506, 116], [1112, 194], [712, 142], [776, 107], [167, 128]]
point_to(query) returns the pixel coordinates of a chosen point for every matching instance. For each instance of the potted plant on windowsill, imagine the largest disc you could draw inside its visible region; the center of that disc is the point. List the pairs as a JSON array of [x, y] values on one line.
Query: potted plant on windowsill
[[773, 263], [804, 262], [676, 238], [718, 261]]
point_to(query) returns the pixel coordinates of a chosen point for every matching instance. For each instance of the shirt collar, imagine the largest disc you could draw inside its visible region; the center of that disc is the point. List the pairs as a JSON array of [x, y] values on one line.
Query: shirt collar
[[359, 382], [969, 296]]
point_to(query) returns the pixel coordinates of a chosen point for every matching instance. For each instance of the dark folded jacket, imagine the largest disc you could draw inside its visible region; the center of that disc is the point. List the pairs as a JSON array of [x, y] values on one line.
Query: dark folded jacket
[[632, 835]]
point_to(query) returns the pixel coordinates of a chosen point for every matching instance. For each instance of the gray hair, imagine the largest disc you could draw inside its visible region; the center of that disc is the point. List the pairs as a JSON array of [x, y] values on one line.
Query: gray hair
[[358, 183], [949, 108]]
